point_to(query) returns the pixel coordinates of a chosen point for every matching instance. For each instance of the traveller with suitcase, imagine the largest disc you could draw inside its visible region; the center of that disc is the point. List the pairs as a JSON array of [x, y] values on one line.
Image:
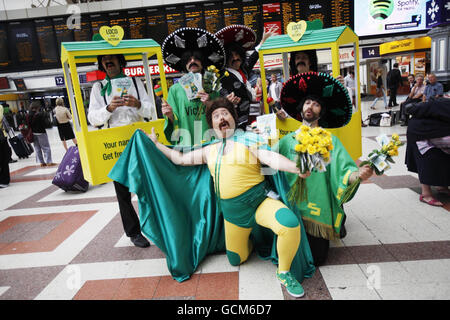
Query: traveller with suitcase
[[5, 155]]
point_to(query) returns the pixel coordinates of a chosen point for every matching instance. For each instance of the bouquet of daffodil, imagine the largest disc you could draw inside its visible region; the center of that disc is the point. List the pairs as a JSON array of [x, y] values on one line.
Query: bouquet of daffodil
[[211, 79], [211, 82], [378, 160], [313, 154]]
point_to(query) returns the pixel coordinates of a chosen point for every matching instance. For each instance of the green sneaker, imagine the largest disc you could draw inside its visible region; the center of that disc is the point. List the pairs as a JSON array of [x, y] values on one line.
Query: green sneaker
[[293, 287]]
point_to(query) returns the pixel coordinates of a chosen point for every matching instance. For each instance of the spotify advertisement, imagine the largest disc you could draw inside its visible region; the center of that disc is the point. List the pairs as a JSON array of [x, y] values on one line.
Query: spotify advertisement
[[373, 17]]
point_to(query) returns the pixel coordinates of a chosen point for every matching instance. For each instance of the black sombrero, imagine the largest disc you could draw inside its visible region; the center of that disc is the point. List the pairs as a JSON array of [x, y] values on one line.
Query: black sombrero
[[185, 40], [236, 33], [338, 105]]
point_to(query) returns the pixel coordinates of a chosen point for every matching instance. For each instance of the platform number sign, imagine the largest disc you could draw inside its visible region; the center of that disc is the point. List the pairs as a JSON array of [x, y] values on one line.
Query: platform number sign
[[59, 80], [370, 52]]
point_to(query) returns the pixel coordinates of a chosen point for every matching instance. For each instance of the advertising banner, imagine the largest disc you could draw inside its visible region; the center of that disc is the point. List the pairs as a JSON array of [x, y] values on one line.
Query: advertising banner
[[373, 17]]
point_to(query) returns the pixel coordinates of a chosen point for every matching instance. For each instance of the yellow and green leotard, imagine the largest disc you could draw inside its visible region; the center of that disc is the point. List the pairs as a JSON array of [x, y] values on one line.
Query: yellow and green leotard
[[179, 211], [242, 193]]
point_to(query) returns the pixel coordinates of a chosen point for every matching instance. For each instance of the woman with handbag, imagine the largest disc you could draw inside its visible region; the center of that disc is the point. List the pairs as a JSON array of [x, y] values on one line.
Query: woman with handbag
[[380, 93], [63, 118], [36, 120]]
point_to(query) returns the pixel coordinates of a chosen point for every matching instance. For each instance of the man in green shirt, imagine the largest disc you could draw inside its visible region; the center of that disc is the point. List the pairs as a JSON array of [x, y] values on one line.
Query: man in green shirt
[[322, 101], [191, 51]]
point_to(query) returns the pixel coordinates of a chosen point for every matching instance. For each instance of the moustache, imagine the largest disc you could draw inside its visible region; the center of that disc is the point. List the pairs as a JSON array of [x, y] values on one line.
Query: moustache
[[223, 124], [194, 64], [300, 63]]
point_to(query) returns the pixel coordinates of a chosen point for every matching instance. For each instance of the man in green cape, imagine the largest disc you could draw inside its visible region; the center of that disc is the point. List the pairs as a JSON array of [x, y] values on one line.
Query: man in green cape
[[322, 101], [182, 197]]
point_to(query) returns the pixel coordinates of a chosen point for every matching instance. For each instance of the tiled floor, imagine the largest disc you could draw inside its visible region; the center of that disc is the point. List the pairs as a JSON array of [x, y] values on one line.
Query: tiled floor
[[57, 245]]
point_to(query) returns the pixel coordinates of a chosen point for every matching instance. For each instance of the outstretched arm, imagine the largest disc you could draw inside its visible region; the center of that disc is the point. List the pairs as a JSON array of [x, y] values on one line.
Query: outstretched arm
[[192, 158], [278, 162]]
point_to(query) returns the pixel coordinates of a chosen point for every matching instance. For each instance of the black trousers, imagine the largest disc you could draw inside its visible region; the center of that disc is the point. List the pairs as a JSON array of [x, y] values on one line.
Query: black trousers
[[319, 249], [129, 216], [5, 156], [392, 97], [403, 116]]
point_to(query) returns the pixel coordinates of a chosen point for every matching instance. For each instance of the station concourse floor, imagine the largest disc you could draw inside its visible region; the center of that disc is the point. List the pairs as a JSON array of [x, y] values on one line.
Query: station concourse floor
[[61, 246]]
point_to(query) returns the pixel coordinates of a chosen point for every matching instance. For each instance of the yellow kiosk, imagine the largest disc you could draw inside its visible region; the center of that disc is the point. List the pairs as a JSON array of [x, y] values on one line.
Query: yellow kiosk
[[100, 149], [330, 38]]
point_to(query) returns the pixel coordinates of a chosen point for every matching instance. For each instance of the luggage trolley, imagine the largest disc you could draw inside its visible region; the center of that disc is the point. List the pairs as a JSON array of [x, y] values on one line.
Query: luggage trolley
[[330, 38], [100, 149]]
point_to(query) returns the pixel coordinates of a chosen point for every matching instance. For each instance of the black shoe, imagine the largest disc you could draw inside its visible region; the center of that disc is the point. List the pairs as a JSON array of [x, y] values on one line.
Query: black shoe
[[140, 241]]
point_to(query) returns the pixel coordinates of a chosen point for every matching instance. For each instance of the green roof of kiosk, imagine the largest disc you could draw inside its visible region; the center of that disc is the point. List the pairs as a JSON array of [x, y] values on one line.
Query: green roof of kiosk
[[309, 38], [103, 45]]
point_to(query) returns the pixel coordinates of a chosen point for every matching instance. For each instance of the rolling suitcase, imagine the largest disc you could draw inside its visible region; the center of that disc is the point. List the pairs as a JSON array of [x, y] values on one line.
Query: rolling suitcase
[[21, 147], [69, 175]]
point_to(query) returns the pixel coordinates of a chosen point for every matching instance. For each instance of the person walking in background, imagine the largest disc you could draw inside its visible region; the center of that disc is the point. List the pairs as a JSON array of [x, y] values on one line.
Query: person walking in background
[[394, 80], [350, 82], [380, 93], [274, 88], [36, 119], [258, 90], [63, 118]]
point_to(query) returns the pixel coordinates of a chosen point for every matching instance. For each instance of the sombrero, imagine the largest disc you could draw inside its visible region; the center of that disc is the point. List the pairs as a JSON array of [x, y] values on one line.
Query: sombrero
[[337, 102], [236, 33], [192, 39]]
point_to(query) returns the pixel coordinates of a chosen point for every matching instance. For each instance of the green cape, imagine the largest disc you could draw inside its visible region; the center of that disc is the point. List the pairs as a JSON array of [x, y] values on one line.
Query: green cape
[[179, 213]]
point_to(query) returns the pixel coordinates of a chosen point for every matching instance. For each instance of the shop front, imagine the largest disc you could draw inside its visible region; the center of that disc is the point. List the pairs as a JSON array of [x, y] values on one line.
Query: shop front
[[412, 56]]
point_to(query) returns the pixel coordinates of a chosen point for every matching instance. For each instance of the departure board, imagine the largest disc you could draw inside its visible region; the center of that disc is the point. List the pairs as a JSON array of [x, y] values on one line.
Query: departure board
[[156, 24], [23, 42], [46, 40], [252, 17], [290, 12], [212, 11], [137, 22], [63, 33], [174, 18], [341, 13], [85, 32], [272, 18], [232, 12], [317, 9], [5, 61], [119, 19], [193, 14], [97, 21]]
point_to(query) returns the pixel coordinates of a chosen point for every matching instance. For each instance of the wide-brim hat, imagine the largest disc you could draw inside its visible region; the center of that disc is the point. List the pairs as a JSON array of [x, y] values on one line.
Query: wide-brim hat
[[337, 103], [236, 33], [192, 39]]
